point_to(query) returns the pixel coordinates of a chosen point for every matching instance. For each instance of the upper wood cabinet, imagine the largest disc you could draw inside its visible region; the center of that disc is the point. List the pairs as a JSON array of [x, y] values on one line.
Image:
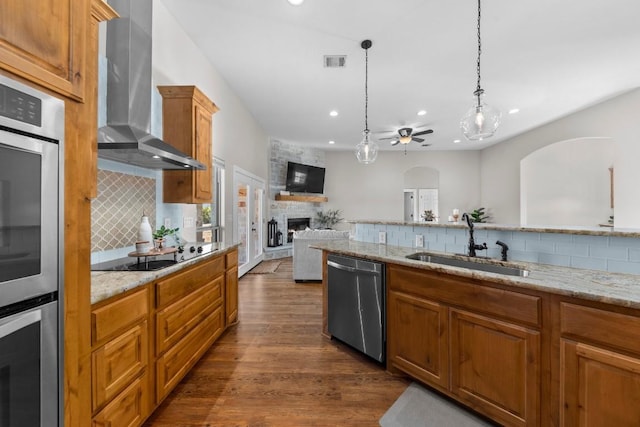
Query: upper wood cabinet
[[44, 42], [186, 124]]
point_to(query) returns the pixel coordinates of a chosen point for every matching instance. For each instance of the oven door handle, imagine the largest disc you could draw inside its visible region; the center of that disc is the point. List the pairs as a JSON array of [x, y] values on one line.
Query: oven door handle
[[20, 322]]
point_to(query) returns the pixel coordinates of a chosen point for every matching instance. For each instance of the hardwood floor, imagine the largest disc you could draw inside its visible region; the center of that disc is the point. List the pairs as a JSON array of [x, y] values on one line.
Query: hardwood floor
[[275, 369]]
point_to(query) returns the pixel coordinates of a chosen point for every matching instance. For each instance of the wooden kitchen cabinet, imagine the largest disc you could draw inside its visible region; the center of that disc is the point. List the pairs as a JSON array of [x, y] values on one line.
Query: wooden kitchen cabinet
[[43, 41], [475, 343], [599, 370], [419, 341], [120, 359], [189, 318], [495, 367], [231, 288], [187, 120]]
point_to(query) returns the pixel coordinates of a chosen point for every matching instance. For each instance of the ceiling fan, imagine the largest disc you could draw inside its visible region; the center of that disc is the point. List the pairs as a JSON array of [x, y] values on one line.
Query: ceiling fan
[[406, 135]]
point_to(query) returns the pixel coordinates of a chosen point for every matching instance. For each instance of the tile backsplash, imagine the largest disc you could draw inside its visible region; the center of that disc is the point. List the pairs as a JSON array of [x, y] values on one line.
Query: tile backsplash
[[116, 212]]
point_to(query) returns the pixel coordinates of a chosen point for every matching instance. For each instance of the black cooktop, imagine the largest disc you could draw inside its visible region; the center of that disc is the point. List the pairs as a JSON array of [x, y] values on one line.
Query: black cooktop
[[156, 262]]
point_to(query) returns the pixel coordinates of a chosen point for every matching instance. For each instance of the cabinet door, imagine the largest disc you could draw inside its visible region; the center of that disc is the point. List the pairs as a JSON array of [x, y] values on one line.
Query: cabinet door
[[128, 409], [598, 387], [231, 296], [417, 338], [44, 41], [495, 368], [203, 178], [116, 363]]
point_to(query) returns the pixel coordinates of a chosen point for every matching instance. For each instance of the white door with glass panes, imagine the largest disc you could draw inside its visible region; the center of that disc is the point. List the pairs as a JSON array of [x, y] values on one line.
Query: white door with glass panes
[[248, 217]]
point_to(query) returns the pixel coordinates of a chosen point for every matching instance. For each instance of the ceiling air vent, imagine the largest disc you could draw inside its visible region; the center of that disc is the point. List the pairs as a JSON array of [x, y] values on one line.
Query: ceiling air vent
[[335, 61]]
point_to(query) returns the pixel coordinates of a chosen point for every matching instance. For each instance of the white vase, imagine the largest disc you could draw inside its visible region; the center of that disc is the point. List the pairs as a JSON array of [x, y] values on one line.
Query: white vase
[[145, 234]]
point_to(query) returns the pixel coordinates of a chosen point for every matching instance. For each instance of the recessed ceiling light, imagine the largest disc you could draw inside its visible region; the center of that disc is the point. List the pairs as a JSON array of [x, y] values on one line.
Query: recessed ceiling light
[[514, 111], [155, 156], [456, 141], [333, 113], [332, 142], [296, 2], [422, 112]]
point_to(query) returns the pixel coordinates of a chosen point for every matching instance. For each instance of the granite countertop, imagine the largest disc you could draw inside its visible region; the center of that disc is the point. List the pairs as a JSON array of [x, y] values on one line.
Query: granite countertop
[[105, 284], [580, 230], [601, 286]]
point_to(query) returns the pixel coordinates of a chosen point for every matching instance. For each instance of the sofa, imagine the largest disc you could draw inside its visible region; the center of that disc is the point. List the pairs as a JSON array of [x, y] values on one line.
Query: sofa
[[307, 262]]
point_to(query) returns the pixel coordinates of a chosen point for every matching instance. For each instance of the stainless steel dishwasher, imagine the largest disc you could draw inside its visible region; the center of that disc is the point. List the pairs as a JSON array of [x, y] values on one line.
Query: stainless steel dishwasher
[[356, 304]]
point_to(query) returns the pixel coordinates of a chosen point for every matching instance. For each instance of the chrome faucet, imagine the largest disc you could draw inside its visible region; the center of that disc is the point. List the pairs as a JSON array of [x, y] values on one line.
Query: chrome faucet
[[472, 244]]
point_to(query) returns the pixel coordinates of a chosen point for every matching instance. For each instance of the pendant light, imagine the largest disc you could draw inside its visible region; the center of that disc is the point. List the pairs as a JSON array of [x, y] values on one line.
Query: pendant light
[[482, 120], [367, 150]]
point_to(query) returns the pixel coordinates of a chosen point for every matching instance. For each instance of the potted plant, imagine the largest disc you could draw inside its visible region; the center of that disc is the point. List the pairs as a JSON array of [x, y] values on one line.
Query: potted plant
[[479, 216], [428, 215], [161, 233], [329, 218]]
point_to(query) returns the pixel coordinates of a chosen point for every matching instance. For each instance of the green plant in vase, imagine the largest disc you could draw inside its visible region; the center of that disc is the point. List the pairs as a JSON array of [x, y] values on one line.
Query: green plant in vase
[[478, 215], [329, 218], [162, 232]]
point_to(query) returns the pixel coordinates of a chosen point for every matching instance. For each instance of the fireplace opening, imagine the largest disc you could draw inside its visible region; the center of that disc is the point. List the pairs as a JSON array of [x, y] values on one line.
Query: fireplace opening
[[295, 224]]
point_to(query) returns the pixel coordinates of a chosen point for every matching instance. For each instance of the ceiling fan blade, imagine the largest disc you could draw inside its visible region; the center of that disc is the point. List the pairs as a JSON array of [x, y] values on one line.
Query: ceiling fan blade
[[426, 145], [417, 139], [396, 142], [384, 139], [424, 132]]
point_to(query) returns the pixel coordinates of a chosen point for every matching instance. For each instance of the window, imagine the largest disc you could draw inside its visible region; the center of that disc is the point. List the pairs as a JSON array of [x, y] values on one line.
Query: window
[[210, 219]]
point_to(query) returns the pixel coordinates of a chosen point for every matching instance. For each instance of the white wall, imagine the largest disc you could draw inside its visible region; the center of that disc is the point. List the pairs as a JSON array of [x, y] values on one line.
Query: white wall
[[559, 187], [375, 191], [616, 118], [237, 137]]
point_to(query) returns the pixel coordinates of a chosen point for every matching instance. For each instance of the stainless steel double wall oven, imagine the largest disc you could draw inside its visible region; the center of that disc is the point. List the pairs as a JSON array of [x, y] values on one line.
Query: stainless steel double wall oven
[[31, 248]]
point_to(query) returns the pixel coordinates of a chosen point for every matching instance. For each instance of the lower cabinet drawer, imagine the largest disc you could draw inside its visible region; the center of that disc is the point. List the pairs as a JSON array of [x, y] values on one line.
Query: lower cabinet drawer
[[175, 321], [118, 362], [176, 362], [128, 409]]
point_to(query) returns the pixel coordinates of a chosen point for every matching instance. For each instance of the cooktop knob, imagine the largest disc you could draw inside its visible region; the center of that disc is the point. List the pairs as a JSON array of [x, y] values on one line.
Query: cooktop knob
[[199, 249], [192, 249]]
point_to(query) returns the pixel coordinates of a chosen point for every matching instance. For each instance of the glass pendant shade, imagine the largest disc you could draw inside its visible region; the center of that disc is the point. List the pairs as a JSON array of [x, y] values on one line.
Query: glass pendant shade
[[481, 121], [367, 150]]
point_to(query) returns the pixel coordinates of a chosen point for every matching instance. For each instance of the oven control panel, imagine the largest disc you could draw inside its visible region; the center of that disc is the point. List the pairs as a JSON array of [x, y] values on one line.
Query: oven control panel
[[20, 106]]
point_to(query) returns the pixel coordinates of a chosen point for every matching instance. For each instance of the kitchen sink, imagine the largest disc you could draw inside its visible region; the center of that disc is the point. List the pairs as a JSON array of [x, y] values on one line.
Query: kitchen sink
[[468, 263]]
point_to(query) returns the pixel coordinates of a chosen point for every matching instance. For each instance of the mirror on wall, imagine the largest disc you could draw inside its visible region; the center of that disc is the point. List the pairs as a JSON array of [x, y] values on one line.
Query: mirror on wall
[[568, 183], [421, 193]]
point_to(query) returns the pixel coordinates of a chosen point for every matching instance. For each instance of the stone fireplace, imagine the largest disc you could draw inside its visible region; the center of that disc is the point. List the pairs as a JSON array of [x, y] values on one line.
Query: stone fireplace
[[295, 224]]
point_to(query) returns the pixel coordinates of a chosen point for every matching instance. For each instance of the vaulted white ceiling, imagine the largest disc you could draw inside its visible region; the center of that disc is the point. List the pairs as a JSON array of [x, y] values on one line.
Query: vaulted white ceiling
[[548, 58]]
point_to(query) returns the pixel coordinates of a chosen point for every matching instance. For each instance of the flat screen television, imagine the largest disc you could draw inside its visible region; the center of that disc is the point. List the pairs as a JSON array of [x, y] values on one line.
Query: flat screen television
[[304, 178]]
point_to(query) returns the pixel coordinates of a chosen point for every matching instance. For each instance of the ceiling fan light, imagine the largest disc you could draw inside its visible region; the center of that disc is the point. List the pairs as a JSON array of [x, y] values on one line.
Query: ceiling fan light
[[367, 149], [405, 139], [481, 121]]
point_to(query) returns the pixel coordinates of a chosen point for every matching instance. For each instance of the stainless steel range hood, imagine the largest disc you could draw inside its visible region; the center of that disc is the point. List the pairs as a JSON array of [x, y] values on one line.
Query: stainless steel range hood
[[127, 136]]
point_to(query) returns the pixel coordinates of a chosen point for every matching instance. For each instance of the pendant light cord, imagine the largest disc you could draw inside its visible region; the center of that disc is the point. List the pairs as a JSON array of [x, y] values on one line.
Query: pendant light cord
[[366, 89], [479, 90]]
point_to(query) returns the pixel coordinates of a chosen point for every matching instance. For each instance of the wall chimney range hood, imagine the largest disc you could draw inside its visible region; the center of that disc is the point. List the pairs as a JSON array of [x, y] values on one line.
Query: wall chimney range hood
[[127, 136]]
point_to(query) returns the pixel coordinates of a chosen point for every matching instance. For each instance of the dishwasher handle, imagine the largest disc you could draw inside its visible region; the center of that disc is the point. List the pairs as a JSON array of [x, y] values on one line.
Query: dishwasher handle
[[351, 269]]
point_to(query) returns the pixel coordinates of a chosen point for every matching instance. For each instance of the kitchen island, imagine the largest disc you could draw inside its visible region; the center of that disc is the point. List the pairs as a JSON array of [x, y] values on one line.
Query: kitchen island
[[149, 328], [539, 350]]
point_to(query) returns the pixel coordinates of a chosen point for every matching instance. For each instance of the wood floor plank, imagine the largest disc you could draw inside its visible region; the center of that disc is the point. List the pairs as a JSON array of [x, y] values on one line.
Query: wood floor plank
[[275, 369]]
